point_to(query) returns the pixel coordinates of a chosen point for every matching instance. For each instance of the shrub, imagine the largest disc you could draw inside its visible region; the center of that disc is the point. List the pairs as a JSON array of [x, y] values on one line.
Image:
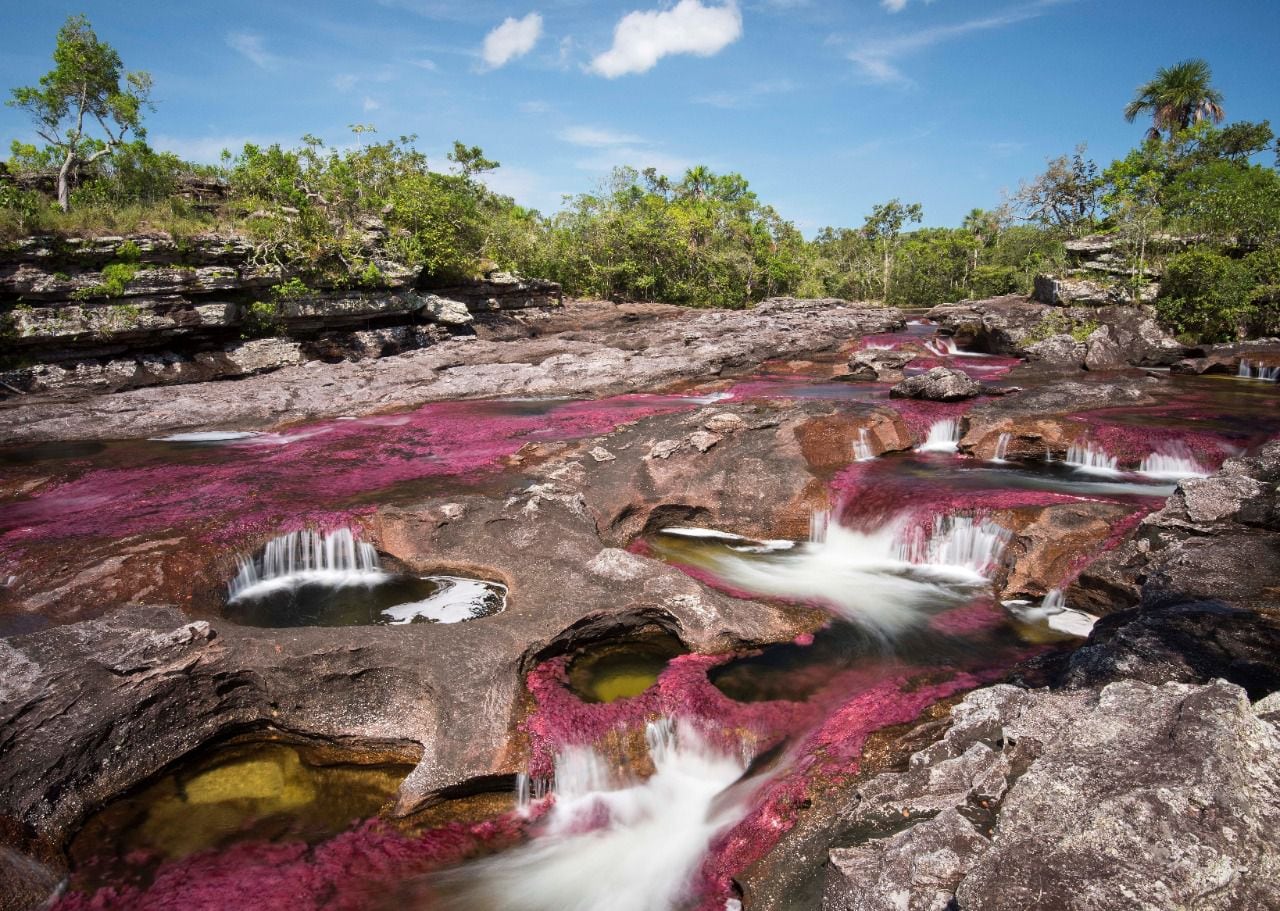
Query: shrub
[[1205, 295]]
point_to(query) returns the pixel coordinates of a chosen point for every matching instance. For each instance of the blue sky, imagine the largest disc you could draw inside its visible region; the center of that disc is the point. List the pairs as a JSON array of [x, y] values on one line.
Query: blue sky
[[825, 107]]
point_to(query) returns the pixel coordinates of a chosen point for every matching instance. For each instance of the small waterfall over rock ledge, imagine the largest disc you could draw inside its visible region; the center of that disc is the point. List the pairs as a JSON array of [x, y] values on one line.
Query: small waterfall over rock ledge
[[306, 578], [334, 559], [944, 436]]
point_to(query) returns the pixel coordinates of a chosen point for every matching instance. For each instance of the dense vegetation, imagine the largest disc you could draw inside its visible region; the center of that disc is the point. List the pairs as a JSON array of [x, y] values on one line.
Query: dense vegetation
[[1195, 201]]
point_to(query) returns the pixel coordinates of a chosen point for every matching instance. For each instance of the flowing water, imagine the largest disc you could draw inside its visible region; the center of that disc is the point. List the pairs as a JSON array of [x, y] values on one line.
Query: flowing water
[[653, 776]]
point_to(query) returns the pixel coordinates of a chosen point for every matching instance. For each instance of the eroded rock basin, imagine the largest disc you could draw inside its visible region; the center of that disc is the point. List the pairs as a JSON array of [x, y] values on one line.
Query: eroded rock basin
[[678, 631]]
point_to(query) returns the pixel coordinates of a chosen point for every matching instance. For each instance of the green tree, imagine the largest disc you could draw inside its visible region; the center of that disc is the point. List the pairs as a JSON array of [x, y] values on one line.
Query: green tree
[[87, 86], [884, 227], [1206, 296], [1065, 196], [1177, 97]]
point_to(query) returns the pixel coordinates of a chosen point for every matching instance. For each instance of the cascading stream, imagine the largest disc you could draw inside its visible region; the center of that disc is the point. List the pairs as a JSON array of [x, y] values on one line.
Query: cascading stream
[[335, 559], [611, 840], [944, 436], [886, 580]]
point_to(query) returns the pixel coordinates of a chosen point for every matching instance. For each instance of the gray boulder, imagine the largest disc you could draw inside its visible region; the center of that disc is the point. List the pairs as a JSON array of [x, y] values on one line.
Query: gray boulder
[[879, 364], [446, 311], [1130, 797], [941, 384]]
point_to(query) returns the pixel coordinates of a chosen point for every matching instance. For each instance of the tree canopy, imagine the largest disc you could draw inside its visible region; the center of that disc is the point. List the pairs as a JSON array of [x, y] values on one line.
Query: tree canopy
[[86, 88], [1177, 97]]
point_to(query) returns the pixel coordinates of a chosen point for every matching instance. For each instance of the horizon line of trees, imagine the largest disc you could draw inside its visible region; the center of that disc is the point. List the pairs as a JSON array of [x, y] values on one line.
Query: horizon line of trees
[[1194, 201]]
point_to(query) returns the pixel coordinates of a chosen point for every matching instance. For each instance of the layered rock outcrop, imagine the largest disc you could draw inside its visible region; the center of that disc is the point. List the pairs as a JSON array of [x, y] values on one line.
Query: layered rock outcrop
[[1094, 338], [114, 313]]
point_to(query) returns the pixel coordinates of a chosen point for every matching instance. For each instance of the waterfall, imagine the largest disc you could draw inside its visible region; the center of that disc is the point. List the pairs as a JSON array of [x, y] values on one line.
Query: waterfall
[[955, 541], [862, 451], [1052, 612], [1252, 371], [886, 580], [288, 561], [1002, 448], [1172, 465], [610, 840], [1087, 458], [943, 436], [943, 346]]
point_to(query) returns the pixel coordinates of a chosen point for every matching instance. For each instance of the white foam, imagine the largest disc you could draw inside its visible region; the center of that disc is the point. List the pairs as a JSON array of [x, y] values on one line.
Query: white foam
[[886, 580], [944, 436], [1053, 613], [1172, 465], [458, 599], [611, 841], [1002, 448], [1086, 458], [299, 558], [862, 451], [207, 436]]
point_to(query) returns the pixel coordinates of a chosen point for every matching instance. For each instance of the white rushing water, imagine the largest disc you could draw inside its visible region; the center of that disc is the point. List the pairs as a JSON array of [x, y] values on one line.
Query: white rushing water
[[457, 600], [862, 451], [1002, 448], [1252, 371], [1052, 612], [611, 841], [1086, 458], [302, 557], [887, 580], [945, 346], [944, 436], [207, 436], [1172, 464]]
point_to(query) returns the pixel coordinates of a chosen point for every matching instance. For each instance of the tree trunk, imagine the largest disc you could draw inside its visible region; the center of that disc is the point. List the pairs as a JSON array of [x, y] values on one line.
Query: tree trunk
[[64, 190]]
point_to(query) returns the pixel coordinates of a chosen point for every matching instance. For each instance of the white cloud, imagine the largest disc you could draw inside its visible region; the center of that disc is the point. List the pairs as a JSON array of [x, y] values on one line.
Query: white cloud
[[513, 38], [747, 97], [641, 39], [254, 48], [345, 82], [424, 63], [535, 107], [894, 6], [878, 59], [597, 138], [370, 104]]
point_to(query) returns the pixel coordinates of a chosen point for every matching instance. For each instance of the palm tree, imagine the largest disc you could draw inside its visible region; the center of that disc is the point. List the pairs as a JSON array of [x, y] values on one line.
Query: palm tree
[[1179, 96]]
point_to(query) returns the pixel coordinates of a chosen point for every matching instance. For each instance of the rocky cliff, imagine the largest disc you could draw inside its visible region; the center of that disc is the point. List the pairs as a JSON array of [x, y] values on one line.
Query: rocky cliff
[[111, 313]]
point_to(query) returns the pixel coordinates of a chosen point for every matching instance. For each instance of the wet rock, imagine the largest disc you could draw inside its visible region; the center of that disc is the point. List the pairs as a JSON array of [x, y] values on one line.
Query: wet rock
[[879, 364], [1191, 642], [1043, 554], [1227, 358], [593, 362], [600, 454], [87, 710], [1162, 794], [941, 384]]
